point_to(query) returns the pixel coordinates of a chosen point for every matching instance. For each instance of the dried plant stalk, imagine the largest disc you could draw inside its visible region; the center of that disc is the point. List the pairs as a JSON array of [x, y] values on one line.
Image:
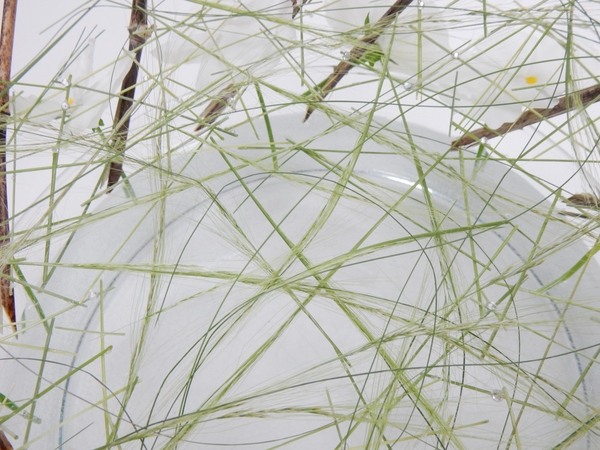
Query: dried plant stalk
[[358, 52], [9, 13], [216, 107], [578, 99], [4, 443], [296, 8], [138, 33]]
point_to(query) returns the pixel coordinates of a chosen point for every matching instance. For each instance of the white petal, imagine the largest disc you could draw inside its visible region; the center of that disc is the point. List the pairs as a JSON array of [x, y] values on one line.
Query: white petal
[[346, 15], [496, 116], [82, 67], [36, 110], [89, 102], [181, 45], [242, 44], [510, 69], [404, 46]]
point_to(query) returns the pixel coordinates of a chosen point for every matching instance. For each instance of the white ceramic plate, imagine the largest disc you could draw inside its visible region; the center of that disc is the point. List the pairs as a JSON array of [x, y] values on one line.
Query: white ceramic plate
[[322, 295]]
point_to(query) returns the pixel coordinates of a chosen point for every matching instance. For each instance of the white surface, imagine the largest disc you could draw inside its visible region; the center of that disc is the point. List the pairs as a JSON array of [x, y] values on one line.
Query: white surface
[[233, 290]]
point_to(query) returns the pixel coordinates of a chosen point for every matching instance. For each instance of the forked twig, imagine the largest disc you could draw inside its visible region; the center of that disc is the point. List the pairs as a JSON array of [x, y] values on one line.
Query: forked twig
[[9, 13], [358, 52], [138, 33], [578, 99], [216, 107]]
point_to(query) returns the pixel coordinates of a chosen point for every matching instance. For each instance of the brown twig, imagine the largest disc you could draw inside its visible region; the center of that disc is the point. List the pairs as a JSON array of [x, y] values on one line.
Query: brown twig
[[578, 99], [297, 7], [138, 33], [358, 52], [4, 443], [216, 107], [7, 35]]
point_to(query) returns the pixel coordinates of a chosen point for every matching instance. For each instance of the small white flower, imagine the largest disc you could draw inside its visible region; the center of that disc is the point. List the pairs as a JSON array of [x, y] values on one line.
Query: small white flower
[[415, 41], [88, 92], [231, 38], [491, 80], [508, 71]]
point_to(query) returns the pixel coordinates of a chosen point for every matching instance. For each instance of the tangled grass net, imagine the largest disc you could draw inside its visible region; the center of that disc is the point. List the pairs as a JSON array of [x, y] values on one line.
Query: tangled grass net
[[298, 251]]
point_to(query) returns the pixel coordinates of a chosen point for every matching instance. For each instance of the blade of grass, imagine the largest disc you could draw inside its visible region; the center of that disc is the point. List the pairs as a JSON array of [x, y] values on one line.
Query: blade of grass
[[38, 384], [585, 259], [31, 296], [263, 107], [52, 386]]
